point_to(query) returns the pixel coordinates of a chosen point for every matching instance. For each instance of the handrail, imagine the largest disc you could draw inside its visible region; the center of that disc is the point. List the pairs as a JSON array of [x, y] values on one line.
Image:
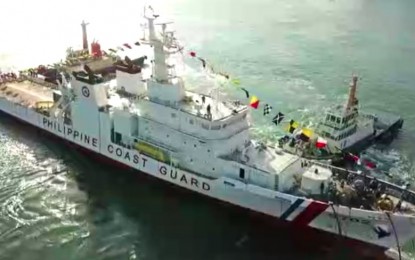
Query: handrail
[[391, 187], [201, 117], [395, 234]]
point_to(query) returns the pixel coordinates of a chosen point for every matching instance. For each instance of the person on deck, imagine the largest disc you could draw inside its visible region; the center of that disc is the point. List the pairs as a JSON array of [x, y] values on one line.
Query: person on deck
[[209, 113]]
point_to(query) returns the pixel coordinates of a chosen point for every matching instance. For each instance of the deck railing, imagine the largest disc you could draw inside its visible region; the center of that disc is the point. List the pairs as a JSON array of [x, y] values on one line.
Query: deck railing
[[391, 188]]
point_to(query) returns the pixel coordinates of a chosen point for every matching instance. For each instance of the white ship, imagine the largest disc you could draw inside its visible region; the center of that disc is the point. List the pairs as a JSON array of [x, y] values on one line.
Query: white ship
[[147, 120], [346, 130]]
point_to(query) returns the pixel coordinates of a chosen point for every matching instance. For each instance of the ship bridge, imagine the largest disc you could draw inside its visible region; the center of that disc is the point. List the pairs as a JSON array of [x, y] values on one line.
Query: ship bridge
[[197, 114]]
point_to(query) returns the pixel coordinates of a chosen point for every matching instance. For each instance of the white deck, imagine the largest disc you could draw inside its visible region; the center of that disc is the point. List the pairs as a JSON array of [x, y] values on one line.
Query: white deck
[[218, 109], [26, 92]]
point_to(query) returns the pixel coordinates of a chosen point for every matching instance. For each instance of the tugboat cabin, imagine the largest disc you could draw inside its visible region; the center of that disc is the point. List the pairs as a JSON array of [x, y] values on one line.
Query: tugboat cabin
[[342, 126]]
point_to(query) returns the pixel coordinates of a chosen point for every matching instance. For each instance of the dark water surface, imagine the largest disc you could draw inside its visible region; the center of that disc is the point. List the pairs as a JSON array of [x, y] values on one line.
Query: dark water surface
[[57, 203]]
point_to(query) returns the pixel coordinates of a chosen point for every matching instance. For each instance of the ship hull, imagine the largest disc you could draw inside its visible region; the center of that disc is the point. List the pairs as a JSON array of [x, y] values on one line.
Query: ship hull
[[300, 213], [306, 238], [384, 136]]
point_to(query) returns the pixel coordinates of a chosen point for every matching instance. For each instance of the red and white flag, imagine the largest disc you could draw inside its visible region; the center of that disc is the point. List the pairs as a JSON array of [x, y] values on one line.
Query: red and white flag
[[321, 143], [355, 158], [369, 164]]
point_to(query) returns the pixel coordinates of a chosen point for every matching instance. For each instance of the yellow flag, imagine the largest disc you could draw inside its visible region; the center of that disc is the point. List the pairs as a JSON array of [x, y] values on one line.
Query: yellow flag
[[292, 125], [307, 132], [236, 81]]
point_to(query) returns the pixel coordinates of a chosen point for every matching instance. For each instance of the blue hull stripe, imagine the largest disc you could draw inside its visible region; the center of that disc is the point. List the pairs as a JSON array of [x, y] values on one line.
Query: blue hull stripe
[[291, 209]]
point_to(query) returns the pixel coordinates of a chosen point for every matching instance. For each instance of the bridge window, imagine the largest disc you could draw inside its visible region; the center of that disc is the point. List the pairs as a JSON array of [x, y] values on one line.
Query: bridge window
[[173, 115], [241, 173], [338, 120], [191, 121]]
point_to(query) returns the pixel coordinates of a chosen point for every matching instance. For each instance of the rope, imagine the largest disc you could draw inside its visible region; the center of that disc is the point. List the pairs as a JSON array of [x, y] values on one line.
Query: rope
[[337, 218], [396, 235]]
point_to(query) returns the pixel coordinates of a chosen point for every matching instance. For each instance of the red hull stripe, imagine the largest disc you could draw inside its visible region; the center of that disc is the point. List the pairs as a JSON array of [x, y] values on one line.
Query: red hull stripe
[[311, 212]]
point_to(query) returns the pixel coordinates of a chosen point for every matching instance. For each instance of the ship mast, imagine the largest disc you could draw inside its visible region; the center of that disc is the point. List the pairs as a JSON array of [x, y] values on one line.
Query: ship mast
[[160, 67], [84, 36], [352, 101], [165, 84]]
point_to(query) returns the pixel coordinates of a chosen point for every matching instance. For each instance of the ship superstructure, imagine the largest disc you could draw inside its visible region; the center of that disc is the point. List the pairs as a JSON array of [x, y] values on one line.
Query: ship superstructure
[[146, 119]]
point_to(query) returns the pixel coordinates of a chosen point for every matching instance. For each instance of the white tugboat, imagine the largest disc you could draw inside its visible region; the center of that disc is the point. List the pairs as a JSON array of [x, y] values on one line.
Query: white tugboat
[[147, 120], [346, 130]]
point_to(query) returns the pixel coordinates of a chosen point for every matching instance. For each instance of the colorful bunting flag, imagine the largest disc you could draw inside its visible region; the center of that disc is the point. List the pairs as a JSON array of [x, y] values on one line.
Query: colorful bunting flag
[[369, 164], [203, 62], [224, 75], [355, 158], [192, 53], [306, 134], [254, 102], [292, 126], [321, 143], [278, 118], [267, 109], [127, 45], [236, 82], [137, 43], [246, 92], [112, 50], [120, 48]]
